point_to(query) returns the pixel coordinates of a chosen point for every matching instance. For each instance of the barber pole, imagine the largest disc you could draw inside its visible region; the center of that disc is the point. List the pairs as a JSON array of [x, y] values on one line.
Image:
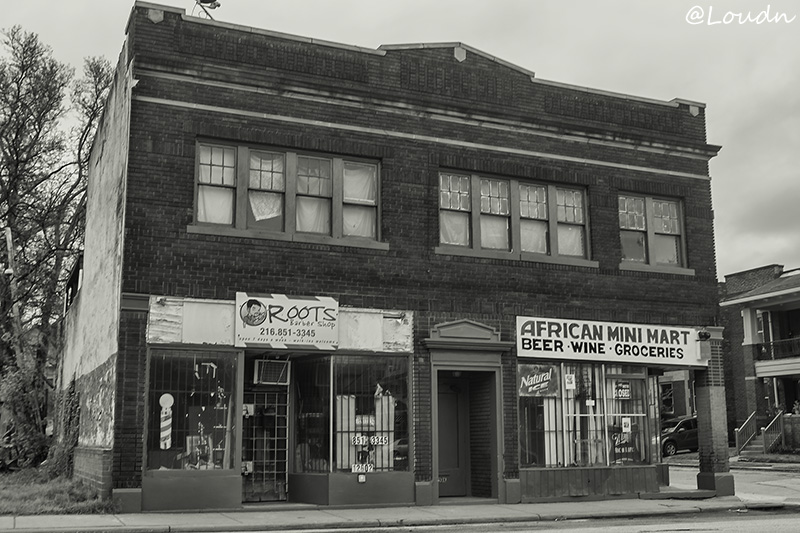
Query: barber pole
[[166, 401]]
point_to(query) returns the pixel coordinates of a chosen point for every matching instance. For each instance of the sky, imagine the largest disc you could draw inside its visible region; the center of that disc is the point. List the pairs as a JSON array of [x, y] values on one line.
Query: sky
[[740, 58]]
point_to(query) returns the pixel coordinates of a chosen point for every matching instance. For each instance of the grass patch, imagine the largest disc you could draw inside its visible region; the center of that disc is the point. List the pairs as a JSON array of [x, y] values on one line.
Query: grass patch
[[32, 492]]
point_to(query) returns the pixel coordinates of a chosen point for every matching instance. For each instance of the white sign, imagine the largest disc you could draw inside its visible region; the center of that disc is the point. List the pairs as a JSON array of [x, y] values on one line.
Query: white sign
[[569, 381], [626, 424], [584, 340], [278, 321]]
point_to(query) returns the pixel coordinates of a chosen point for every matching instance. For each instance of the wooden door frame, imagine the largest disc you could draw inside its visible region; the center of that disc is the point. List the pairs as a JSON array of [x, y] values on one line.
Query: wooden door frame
[[464, 432], [496, 436], [468, 346]]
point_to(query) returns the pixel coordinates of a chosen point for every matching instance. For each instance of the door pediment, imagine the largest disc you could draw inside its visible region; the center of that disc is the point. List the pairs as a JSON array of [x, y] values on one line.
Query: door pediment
[[466, 335]]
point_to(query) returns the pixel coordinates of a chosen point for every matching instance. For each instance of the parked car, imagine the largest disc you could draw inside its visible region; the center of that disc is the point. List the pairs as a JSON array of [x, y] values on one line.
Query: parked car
[[679, 434]]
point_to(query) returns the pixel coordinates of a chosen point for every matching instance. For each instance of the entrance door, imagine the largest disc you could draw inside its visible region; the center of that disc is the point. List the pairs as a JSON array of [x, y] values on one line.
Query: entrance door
[[453, 436], [265, 444]]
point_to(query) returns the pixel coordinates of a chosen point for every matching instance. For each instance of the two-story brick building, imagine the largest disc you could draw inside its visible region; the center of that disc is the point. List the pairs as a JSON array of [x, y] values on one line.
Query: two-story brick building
[[323, 273], [761, 314]]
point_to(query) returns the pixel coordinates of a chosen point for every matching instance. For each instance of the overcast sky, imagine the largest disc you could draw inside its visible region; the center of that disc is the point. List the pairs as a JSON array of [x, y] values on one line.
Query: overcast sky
[[746, 72]]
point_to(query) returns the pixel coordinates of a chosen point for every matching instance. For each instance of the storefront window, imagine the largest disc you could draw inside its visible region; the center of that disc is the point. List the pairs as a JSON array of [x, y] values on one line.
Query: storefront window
[[369, 406], [626, 395], [581, 414], [583, 405], [192, 407], [541, 415], [312, 449]]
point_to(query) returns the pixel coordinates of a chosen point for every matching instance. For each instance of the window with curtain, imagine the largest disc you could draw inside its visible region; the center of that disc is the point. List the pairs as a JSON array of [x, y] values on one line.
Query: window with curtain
[[569, 209], [265, 192], [191, 410], [314, 194], [651, 231], [286, 195], [495, 214], [216, 184], [360, 208], [512, 219], [589, 414], [533, 215], [455, 206]]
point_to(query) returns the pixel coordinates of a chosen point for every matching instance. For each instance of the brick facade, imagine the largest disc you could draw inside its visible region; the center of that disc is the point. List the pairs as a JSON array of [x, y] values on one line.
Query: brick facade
[[417, 112], [129, 416]]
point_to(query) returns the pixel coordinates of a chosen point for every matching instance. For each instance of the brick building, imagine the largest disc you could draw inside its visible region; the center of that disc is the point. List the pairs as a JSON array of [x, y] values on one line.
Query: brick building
[[761, 315], [322, 273]]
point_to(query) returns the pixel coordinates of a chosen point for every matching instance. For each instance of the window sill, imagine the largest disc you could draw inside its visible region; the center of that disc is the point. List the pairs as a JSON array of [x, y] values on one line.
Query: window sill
[[515, 256], [225, 231], [661, 269]]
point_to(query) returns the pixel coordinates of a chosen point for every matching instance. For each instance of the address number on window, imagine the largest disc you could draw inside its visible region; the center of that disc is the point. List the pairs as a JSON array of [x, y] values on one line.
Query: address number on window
[[362, 468], [375, 440]]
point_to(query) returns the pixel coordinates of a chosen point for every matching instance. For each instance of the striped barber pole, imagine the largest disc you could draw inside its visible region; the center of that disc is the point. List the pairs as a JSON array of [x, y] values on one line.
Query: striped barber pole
[[166, 401]]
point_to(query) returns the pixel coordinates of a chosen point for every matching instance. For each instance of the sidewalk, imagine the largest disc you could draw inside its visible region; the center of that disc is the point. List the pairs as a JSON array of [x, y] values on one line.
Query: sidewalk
[[287, 517], [737, 462]]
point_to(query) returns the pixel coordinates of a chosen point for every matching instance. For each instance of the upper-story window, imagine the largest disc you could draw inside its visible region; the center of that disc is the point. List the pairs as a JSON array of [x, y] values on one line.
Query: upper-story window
[[513, 219], [286, 196], [651, 232], [216, 188]]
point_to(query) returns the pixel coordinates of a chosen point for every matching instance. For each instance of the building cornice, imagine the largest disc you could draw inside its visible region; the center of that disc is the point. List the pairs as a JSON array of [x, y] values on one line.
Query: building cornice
[[453, 117], [383, 132]]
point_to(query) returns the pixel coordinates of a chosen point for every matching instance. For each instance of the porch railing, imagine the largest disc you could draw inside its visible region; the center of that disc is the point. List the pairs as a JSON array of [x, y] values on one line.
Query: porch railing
[[745, 433], [781, 349], [773, 433]]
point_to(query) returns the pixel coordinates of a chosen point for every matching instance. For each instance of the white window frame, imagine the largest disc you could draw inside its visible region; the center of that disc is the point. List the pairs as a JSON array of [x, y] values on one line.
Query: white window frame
[[515, 252], [239, 227]]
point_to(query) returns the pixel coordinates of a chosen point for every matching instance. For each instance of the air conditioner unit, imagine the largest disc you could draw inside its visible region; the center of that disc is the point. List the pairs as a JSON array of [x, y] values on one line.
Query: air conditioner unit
[[271, 372]]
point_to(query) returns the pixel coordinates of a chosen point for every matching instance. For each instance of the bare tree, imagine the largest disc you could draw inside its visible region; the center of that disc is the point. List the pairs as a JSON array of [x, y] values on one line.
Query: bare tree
[[43, 169]]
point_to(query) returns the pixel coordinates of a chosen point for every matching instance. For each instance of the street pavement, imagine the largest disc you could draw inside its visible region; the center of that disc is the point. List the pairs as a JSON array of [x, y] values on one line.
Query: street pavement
[[288, 517]]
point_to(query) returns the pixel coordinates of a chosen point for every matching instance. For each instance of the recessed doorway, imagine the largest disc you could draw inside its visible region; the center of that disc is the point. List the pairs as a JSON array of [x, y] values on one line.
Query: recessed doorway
[[466, 433]]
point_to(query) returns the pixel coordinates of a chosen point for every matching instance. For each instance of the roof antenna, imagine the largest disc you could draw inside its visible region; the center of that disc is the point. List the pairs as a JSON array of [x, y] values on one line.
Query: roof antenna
[[211, 4]]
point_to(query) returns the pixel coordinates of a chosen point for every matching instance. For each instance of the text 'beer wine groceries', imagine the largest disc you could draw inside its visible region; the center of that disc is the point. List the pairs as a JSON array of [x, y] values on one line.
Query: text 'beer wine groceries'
[[584, 340], [283, 322]]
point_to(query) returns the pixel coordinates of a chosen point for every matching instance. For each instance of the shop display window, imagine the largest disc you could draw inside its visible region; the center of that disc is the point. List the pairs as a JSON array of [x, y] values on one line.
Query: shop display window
[[626, 397], [582, 414], [359, 401], [192, 407]]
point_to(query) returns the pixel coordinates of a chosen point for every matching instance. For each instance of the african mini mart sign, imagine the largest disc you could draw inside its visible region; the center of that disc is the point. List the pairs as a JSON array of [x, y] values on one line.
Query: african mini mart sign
[[584, 340]]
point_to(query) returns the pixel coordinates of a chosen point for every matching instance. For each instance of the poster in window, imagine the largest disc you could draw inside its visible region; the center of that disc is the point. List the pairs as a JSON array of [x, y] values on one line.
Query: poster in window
[[538, 380], [622, 390]]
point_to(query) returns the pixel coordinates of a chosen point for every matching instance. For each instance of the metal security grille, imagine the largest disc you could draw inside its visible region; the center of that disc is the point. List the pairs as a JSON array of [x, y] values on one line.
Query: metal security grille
[[265, 445], [191, 410], [365, 414]]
